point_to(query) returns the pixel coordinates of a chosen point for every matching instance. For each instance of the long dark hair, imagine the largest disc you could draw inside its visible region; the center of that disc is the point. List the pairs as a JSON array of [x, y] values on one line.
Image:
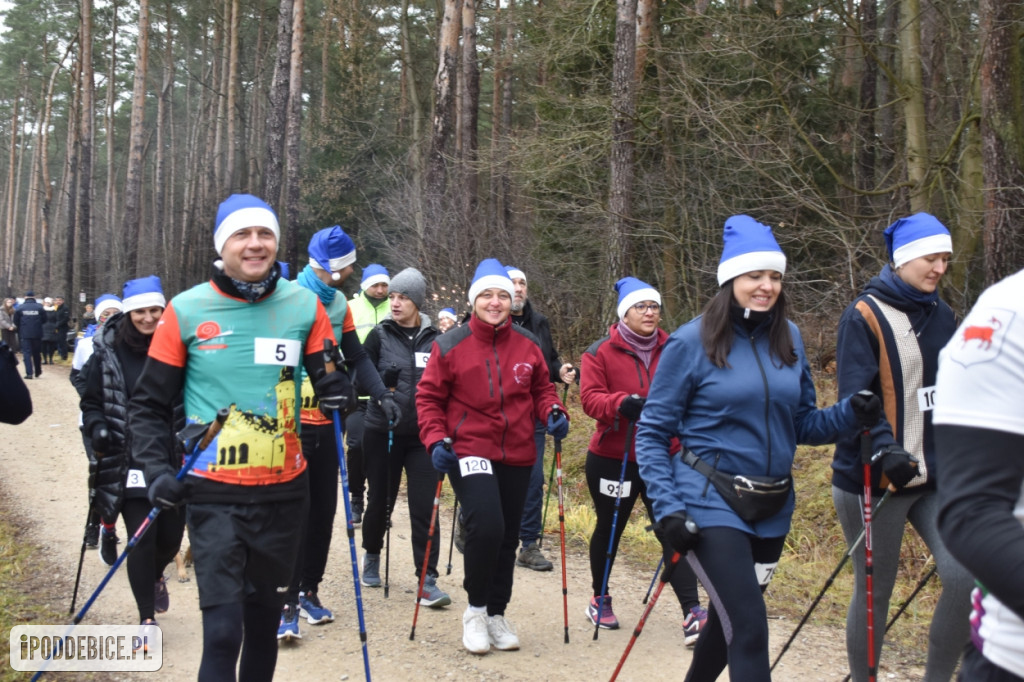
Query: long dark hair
[[716, 330], [131, 338]]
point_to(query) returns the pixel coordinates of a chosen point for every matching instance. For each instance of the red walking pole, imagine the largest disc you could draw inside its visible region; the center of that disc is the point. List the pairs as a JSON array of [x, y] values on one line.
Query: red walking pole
[[869, 579], [426, 555], [561, 533], [665, 575]]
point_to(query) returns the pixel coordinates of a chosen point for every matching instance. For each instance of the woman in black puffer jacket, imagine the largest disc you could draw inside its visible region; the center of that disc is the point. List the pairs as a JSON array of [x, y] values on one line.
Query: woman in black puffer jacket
[[120, 349]]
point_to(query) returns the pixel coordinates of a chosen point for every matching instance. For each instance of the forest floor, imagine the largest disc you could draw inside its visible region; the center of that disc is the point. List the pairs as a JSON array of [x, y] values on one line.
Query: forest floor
[[43, 494]]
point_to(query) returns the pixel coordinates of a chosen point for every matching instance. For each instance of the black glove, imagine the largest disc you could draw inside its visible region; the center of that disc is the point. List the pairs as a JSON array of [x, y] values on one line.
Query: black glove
[[680, 532], [391, 410], [899, 465], [100, 439], [390, 376], [335, 392], [167, 491], [866, 407], [444, 458], [631, 407]]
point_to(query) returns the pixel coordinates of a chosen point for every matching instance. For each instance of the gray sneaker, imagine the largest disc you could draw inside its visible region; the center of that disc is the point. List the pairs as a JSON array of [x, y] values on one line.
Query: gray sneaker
[[371, 570], [433, 596], [531, 557]]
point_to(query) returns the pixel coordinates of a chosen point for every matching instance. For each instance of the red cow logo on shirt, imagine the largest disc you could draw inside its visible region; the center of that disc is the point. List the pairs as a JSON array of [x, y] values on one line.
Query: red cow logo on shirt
[[981, 336]]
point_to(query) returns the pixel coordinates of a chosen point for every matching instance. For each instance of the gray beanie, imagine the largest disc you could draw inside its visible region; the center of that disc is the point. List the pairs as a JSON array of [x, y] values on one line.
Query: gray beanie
[[411, 283]]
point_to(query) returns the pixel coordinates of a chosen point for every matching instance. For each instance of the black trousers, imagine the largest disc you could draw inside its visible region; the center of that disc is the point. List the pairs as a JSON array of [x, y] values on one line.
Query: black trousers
[[384, 474], [31, 351], [354, 452], [154, 551], [317, 528]]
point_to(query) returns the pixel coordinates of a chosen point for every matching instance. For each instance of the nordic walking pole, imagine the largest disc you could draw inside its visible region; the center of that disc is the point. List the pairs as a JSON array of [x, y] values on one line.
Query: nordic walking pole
[[654, 579], [828, 584], [602, 598], [903, 607], [551, 485], [390, 378], [561, 529], [85, 535], [426, 555], [665, 576], [451, 543], [350, 529], [869, 578]]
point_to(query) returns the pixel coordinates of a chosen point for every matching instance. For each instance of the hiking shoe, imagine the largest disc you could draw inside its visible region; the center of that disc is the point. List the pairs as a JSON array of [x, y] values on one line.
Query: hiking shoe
[[147, 634], [501, 634], [531, 557], [312, 609], [161, 599], [433, 596], [289, 627], [608, 619], [460, 535], [108, 546], [92, 535], [357, 512], [475, 632], [371, 570], [693, 624]]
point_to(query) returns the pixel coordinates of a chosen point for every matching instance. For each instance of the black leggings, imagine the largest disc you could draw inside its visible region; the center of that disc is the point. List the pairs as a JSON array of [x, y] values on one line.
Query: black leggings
[[321, 453], [354, 460], [492, 505], [156, 549], [250, 627], [406, 453], [735, 568], [602, 480]]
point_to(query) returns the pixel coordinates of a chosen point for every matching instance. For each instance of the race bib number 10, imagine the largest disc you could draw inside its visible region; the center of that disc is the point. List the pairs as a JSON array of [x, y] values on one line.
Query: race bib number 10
[[284, 352], [474, 465]]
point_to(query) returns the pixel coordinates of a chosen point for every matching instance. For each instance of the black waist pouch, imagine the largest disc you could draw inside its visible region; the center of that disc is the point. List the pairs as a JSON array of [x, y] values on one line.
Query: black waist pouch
[[753, 498]]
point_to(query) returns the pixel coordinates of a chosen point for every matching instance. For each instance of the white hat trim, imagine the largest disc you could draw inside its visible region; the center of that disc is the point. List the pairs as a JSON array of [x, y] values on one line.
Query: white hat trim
[[445, 315], [490, 282], [251, 216], [146, 300], [634, 297], [337, 263], [925, 246], [749, 262], [374, 279], [109, 304], [516, 273]]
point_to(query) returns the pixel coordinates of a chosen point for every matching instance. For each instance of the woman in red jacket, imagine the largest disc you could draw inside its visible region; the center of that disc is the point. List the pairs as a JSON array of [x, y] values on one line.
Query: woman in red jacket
[[615, 376], [485, 385]]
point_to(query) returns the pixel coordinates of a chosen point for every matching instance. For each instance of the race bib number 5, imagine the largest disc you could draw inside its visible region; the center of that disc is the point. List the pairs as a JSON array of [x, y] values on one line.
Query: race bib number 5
[[474, 465], [284, 352]]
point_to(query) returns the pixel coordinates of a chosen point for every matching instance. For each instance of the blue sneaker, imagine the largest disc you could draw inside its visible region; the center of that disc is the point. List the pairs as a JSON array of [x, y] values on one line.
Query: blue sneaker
[[289, 627], [312, 609], [693, 624]]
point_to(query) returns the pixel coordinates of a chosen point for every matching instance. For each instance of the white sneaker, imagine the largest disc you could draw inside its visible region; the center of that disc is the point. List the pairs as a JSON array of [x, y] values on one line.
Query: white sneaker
[[502, 634], [475, 635]]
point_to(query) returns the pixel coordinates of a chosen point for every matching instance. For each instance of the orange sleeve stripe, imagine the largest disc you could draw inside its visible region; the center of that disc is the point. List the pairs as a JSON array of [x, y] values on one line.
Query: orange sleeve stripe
[[167, 346], [321, 330], [349, 325]]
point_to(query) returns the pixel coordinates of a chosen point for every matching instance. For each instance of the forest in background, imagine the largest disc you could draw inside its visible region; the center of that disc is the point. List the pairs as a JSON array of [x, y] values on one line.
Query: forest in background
[[581, 140]]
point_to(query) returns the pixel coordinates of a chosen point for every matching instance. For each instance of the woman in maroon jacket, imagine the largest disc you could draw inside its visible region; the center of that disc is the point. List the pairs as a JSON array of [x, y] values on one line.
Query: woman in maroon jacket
[[485, 385], [615, 376]]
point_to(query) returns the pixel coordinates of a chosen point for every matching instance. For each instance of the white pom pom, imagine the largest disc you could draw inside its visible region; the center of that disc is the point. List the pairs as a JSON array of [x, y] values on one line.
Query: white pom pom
[[335, 276]]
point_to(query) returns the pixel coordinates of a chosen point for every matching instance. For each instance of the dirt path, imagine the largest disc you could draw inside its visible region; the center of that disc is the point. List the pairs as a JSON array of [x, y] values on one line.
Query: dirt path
[[44, 483]]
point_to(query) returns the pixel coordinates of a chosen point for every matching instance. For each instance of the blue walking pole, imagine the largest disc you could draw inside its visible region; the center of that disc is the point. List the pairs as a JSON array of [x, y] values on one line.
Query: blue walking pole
[[602, 598], [208, 436], [654, 578], [350, 529]]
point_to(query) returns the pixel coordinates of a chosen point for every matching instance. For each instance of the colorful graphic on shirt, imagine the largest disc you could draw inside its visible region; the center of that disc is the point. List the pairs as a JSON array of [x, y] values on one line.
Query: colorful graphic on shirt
[[980, 338]]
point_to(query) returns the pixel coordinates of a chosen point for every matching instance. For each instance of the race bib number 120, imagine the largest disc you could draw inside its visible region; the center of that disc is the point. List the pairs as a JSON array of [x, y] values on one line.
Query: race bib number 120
[[474, 465], [284, 352]]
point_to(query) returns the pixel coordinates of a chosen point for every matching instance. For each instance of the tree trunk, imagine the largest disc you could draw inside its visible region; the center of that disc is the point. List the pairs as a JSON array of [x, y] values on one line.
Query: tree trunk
[[1002, 134], [84, 207], [416, 114], [912, 88], [469, 85], [136, 148], [623, 149], [294, 135], [232, 141], [866, 117], [111, 248], [277, 112], [443, 123]]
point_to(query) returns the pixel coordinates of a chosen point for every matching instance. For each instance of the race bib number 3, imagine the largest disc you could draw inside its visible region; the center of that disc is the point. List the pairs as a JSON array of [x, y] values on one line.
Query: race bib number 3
[[610, 487], [135, 479], [284, 352], [474, 465]]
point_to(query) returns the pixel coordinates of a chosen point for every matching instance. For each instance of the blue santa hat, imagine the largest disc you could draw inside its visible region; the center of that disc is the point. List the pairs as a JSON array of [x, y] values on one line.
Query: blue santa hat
[[490, 274], [632, 291], [240, 211], [748, 246], [105, 302], [918, 235], [374, 273], [448, 313], [515, 273], [284, 269], [145, 292], [331, 249]]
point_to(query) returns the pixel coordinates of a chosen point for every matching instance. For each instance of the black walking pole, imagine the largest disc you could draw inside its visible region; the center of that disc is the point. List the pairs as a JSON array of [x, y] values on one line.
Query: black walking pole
[[85, 534], [451, 543], [603, 597], [390, 382]]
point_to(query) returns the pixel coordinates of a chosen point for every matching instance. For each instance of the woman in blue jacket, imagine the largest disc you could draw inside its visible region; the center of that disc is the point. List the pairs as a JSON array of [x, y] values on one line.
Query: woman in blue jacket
[[888, 343], [735, 387]]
